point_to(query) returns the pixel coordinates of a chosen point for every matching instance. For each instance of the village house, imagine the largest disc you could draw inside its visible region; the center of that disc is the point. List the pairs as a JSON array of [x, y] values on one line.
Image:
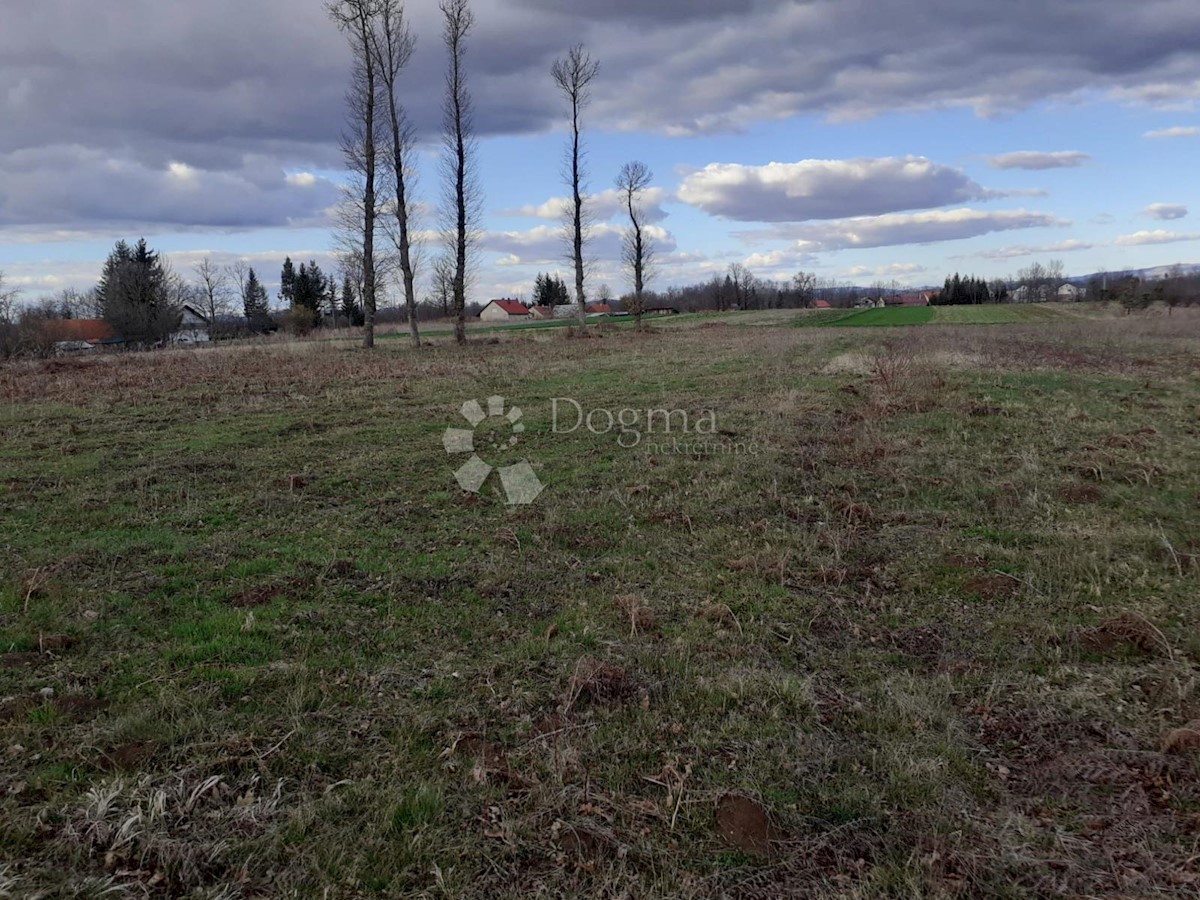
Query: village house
[[193, 327], [505, 311], [81, 335]]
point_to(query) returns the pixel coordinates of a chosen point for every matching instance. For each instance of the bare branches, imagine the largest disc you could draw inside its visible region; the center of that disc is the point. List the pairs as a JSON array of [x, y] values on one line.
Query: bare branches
[[392, 43], [212, 289], [574, 75], [8, 301], [355, 18], [637, 246], [462, 190]]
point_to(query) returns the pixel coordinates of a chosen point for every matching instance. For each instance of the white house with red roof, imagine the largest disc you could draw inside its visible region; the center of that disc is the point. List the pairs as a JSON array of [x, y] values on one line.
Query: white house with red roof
[[505, 311]]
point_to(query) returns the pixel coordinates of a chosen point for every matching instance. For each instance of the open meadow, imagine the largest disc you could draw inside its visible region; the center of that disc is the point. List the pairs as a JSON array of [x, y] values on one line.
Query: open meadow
[[903, 612]]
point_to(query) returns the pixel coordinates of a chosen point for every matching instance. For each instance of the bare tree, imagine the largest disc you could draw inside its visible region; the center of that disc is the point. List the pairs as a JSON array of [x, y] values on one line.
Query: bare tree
[[392, 44], [742, 281], [212, 289], [441, 285], [458, 122], [8, 301], [804, 286], [574, 75], [355, 18], [637, 248]]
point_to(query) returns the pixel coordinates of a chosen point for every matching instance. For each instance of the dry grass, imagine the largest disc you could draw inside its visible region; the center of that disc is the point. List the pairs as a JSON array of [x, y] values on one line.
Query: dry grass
[[937, 639]]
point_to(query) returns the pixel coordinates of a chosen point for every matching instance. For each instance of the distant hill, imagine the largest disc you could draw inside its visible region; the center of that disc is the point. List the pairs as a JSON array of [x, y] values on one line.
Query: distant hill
[[1150, 274]]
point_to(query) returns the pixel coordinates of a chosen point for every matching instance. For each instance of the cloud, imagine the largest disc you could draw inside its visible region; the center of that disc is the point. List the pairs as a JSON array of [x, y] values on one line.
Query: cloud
[[77, 189], [602, 206], [544, 244], [825, 188], [1177, 131], [1044, 249], [1166, 211], [209, 85], [897, 229], [1142, 238], [1035, 161], [892, 270]]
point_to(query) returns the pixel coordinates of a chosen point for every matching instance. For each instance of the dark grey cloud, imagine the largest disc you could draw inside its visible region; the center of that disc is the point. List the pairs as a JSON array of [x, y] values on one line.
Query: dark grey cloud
[[826, 188], [670, 11], [213, 84], [71, 183], [1036, 160]]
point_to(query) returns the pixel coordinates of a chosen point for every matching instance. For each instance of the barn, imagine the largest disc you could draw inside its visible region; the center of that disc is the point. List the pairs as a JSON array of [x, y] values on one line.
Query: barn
[[504, 311]]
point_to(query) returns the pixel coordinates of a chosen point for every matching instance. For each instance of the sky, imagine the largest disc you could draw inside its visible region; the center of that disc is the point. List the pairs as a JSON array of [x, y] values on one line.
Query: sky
[[859, 140]]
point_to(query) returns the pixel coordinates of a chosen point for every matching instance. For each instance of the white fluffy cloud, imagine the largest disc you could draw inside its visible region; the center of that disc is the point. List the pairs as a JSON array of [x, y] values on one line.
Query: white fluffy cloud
[[544, 245], [1178, 131], [1159, 236], [1166, 211], [897, 229], [602, 206], [1035, 160], [825, 188], [1025, 250]]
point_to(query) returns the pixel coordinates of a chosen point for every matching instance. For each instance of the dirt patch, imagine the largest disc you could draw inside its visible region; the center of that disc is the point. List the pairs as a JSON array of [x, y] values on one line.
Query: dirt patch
[[258, 596], [925, 642], [1080, 493], [16, 707], [127, 757], [78, 707], [993, 587], [341, 568], [1129, 629], [599, 682], [641, 617], [745, 824], [23, 660], [490, 762]]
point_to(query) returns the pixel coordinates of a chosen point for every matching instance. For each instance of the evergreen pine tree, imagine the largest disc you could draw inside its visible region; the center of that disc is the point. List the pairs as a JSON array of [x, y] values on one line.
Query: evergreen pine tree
[[256, 306], [287, 282]]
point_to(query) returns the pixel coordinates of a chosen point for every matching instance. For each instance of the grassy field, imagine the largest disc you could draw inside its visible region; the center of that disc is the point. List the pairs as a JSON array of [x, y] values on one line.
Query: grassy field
[[1006, 314], [916, 618]]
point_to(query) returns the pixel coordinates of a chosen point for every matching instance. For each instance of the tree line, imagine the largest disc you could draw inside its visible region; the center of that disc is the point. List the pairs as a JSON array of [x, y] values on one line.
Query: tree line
[[378, 150]]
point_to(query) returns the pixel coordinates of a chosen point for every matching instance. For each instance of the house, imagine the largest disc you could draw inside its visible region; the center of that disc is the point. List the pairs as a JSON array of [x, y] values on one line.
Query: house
[[80, 335], [543, 312], [1069, 292], [192, 327], [504, 311], [821, 304], [599, 309]]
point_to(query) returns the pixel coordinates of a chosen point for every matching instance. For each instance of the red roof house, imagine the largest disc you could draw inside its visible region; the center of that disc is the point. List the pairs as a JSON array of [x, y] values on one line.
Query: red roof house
[[502, 310], [93, 331]]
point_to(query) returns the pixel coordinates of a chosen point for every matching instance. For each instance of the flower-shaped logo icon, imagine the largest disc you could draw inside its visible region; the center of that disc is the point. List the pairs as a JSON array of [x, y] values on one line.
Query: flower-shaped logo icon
[[521, 484]]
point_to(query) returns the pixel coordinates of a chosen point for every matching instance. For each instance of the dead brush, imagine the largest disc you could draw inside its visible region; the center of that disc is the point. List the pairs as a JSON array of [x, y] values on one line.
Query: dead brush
[[641, 617], [892, 364], [180, 826], [1128, 628], [597, 681]]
